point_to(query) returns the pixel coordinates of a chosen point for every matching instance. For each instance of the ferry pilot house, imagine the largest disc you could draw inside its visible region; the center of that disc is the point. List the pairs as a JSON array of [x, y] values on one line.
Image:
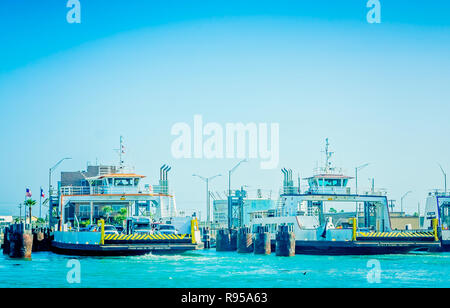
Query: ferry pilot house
[[103, 195]]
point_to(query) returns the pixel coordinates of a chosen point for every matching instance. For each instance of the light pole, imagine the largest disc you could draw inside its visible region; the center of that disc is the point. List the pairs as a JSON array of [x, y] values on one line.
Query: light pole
[[445, 179], [229, 189], [20, 211], [401, 201], [208, 208], [50, 187], [356, 175], [356, 183]]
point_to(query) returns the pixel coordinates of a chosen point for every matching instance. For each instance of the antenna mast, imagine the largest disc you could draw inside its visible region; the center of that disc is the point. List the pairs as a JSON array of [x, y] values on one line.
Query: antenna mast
[[328, 155], [121, 152]]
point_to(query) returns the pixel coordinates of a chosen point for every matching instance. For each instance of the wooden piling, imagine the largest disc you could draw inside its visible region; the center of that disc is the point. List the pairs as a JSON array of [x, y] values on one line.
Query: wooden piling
[[285, 242], [262, 241], [226, 240], [206, 238], [244, 240], [21, 241], [6, 242]]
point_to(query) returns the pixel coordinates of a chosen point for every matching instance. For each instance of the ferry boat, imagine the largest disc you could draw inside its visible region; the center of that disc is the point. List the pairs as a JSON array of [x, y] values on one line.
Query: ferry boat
[[84, 195], [321, 229], [437, 209]]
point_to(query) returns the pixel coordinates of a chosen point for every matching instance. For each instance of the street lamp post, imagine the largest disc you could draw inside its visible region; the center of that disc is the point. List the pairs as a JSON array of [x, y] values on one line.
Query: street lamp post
[[401, 201], [229, 189], [356, 175], [356, 183], [208, 207], [445, 179], [50, 171]]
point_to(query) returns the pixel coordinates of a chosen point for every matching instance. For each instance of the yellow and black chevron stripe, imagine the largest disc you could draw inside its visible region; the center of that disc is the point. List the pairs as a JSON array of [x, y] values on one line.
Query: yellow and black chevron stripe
[[401, 234], [145, 237]]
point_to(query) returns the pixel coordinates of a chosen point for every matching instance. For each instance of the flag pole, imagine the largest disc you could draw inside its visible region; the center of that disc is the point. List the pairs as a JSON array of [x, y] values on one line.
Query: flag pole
[[40, 203]]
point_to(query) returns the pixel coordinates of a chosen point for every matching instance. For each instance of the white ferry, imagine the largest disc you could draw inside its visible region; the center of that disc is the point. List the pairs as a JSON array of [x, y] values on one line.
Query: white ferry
[[100, 191], [321, 229]]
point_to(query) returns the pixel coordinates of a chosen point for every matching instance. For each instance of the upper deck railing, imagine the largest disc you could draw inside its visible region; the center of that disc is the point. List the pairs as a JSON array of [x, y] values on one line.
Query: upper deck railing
[[104, 190]]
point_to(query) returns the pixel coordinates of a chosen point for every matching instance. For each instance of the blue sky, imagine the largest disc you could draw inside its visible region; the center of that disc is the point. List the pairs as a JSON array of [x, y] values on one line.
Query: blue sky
[[378, 91]]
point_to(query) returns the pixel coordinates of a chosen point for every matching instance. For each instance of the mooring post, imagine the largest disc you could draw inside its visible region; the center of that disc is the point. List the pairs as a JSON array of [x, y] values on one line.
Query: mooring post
[[285, 242], [244, 240], [195, 232], [102, 228], [354, 226], [262, 241], [226, 240], [435, 229]]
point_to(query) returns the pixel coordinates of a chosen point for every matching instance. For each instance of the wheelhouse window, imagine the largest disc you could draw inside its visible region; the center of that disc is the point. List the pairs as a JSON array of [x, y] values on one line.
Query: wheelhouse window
[[332, 182], [123, 182]]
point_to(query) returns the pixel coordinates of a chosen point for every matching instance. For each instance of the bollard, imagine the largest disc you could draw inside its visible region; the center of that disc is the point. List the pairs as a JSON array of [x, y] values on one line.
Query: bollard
[[102, 230], [435, 223], [226, 240], [262, 241], [354, 223], [285, 242], [244, 240]]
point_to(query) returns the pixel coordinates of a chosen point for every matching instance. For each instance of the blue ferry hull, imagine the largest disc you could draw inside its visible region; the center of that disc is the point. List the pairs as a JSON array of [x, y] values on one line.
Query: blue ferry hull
[[122, 249], [359, 248]]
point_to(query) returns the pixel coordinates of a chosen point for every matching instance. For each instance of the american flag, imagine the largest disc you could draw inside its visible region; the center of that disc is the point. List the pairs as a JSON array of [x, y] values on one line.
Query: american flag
[[28, 193], [42, 193]]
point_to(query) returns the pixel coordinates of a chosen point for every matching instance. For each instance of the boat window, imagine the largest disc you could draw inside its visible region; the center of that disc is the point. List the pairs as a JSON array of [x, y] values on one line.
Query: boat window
[[332, 182], [123, 182], [110, 181], [136, 181]]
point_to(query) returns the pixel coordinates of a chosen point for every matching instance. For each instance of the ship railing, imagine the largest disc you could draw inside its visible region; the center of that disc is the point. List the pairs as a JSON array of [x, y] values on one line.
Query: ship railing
[[439, 193], [330, 190], [100, 190]]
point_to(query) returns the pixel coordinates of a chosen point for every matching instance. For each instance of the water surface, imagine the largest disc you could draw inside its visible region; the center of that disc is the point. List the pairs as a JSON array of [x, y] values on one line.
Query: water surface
[[208, 268]]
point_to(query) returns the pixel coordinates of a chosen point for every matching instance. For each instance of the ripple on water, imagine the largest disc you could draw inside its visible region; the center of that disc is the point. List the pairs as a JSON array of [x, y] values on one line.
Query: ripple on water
[[208, 268]]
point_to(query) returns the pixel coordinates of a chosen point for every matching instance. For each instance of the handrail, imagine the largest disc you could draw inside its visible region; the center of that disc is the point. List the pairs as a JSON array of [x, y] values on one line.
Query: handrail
[[100, 190]]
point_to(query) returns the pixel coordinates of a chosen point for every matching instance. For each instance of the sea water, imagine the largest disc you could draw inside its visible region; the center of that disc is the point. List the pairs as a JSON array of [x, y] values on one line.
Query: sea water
[[208, 268]]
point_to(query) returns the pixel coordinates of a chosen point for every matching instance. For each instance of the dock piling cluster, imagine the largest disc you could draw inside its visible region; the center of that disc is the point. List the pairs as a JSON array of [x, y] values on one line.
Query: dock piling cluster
[[285, 242], [18, 241], [226, 240], [244, 240], [262, 241]]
